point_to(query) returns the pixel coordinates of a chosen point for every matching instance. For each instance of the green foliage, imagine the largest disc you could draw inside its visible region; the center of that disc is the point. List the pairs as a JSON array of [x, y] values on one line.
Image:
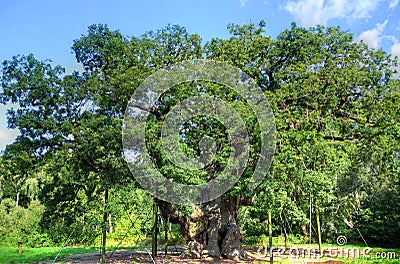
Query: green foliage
[[18, 224], [31, 255], [131, 211]]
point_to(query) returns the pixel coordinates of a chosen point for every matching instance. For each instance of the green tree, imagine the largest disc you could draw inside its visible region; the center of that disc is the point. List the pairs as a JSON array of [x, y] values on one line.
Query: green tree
[[19, 180], [21, 225]]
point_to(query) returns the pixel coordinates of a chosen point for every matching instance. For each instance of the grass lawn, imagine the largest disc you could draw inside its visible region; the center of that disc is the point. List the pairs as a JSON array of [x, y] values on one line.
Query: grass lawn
[[29, 255]]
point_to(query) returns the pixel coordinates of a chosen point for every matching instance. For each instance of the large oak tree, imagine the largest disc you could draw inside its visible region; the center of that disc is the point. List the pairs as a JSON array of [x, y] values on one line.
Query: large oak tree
[[335, 103]]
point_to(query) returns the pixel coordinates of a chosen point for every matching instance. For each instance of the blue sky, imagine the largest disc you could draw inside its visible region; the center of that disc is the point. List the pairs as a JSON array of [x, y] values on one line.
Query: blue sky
[[47, 28]]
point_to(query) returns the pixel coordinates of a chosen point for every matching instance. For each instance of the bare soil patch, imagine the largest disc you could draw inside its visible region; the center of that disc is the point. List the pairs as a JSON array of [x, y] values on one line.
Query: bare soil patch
[[144, 256]]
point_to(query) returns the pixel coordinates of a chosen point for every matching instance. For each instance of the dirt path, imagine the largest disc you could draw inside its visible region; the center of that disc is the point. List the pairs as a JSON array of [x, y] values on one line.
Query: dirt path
[[144, 256]]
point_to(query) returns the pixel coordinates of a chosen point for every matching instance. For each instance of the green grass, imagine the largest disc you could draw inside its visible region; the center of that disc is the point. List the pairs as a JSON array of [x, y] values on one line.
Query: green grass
[[29, 255], [9, 255]]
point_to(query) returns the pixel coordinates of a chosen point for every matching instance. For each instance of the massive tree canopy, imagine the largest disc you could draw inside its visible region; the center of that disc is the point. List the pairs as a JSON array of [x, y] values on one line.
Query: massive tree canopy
[[336, 106]]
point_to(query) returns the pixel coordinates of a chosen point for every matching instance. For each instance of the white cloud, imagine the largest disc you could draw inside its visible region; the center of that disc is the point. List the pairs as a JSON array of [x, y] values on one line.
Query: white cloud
[[243, 2], [395, 49], [381, 26], [373, 36], [363, 8], [7, 136], [302, 10], [393, 3], [313, 12]]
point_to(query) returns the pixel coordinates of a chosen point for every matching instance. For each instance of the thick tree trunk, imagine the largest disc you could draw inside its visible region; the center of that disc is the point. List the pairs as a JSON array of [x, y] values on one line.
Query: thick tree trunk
[[211, 230], [19, 247]]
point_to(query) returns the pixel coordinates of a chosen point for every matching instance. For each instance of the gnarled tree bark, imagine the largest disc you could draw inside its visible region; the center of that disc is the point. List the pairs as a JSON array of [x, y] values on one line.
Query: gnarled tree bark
[[211, 230]]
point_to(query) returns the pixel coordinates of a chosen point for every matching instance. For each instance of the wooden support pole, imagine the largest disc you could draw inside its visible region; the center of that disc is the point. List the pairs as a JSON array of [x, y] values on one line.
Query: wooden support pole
[[166, 236], [104, 228], [155, 230], [311, 209], [319, 233], [271, 253], [284, 230]]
